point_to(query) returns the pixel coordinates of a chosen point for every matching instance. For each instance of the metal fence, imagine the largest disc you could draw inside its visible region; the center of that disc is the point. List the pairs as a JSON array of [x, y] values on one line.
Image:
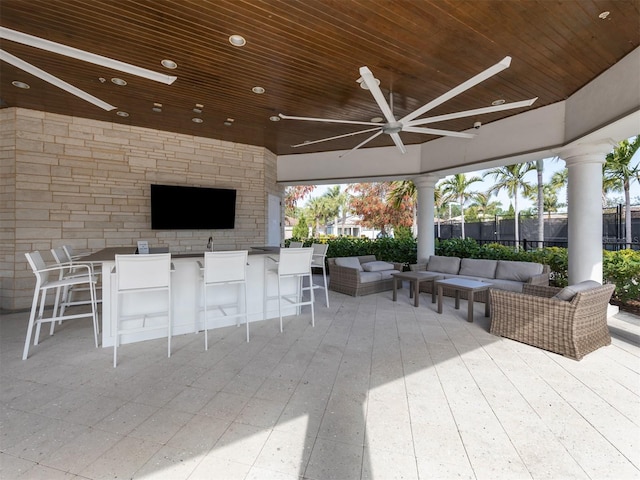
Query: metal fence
[[502, 230]]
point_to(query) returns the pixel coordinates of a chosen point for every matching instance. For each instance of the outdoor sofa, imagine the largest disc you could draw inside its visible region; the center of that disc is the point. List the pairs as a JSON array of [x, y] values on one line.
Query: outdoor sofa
[[502, 274], [361, 275], [571, 321]]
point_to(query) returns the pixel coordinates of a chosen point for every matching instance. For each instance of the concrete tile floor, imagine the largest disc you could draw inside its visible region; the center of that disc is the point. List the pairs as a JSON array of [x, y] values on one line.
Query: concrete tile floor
[[377, 390]]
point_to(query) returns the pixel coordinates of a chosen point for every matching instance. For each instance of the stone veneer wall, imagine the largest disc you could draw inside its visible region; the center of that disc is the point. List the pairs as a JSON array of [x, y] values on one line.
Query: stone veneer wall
[[86, 183]]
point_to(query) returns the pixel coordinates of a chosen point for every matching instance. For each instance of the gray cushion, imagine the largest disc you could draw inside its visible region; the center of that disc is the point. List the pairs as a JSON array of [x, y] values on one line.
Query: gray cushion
[[438, 263], [368, 277], [349, 262], [567, 293], [519, 271], [377, 266], [478, 267]]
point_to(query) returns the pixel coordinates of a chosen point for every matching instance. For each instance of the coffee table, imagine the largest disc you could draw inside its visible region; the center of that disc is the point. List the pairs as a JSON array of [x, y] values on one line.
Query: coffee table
[[415, 279], [463, 285]]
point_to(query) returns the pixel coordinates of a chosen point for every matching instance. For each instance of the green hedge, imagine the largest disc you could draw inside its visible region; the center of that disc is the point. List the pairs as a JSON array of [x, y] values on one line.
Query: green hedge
[[621, 268]]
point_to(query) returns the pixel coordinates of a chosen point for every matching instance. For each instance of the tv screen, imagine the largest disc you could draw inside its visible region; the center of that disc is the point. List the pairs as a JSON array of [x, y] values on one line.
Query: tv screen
[[192, 208]]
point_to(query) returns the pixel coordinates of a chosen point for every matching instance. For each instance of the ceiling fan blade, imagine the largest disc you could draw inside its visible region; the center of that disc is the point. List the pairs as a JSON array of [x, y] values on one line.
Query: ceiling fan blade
[[336, 137], [362, 143], [78, 54], [326, 120], [372, 85], [53, 80], [471, 113], [434, 131], [481, 77], [398, 141]]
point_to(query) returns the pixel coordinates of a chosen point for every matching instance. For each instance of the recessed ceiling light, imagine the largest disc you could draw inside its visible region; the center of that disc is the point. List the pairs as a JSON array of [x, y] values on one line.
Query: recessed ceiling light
[[237, 40], [274, 118], [604, 15], [197, 120], [498, 102], [102, 79], [157, 109], [258, 90], [120, 113], [228, 124], [119, 81], [169, 64], [197, 110], [18, 84], [377, 119]]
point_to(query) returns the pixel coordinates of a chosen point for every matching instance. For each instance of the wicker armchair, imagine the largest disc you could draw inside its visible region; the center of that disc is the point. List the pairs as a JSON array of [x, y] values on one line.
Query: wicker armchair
[[571, 328]]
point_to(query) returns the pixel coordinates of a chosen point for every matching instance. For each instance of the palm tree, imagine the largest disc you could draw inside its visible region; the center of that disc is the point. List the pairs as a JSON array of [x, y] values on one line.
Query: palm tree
[[403, 191], [619, 171], [539, 168], [336, 202], [319, 210], [483, 204], [457, 186], [511, 179], [439, 201]]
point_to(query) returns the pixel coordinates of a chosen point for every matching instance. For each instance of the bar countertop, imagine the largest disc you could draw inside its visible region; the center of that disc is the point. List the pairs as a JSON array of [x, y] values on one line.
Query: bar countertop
[[109, 254]]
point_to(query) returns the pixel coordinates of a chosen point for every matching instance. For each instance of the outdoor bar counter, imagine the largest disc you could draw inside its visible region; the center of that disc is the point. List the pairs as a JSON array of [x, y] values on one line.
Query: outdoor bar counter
[[186, 294]]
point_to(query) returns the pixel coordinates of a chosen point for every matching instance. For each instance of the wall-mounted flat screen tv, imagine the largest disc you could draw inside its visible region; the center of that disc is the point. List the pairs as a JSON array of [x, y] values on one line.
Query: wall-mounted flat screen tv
[[192, 208]]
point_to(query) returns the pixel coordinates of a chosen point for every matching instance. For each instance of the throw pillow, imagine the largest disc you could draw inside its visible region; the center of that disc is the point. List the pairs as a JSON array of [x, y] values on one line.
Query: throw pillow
[[377, 266], [567, 293], [349, 262]]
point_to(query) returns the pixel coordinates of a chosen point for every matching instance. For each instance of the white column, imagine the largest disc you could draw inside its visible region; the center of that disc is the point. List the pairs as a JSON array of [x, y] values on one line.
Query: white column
[[425, 186], [584, 163]]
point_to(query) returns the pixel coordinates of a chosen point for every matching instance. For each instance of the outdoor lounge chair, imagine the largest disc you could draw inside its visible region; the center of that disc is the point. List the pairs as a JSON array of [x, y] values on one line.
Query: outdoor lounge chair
[[573, 326]]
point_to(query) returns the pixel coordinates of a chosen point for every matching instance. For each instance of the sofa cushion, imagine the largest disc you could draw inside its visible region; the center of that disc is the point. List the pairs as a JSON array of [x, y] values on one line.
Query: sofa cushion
[[387, 274], [518, 271], [567, 293], [478, 267], [367, 277], [438, 263], [377, 266], [349, 262], [509, 285]]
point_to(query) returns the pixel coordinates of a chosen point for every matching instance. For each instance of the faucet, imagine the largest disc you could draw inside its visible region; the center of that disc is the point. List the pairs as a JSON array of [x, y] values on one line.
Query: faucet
[[210, 244]]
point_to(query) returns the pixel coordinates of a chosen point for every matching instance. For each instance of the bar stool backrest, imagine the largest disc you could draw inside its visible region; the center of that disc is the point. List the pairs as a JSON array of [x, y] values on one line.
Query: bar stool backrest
[[38, 266], [296, 261], [143, 271], [295, 244], [221, 267]]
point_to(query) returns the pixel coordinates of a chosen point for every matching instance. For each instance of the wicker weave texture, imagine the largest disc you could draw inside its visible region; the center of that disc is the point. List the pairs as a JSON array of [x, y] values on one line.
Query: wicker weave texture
[[542, 279], [572, 329], [347, 280]]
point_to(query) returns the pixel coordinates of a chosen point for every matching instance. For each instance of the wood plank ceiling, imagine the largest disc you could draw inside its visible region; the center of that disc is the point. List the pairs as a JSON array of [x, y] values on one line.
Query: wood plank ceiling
[[306, 55]]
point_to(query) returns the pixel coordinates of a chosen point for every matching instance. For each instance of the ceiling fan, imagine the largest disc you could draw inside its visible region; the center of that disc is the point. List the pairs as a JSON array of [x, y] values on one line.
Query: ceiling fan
[[411, 123], [37, 42]]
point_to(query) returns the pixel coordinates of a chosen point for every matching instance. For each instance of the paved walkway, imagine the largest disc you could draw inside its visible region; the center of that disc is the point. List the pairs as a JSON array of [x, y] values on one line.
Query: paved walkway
[[377, 390]]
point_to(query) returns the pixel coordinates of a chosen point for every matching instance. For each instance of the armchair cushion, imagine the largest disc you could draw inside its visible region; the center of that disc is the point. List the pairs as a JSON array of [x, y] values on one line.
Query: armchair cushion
[[567, 293], [377, 266], [349, 262]]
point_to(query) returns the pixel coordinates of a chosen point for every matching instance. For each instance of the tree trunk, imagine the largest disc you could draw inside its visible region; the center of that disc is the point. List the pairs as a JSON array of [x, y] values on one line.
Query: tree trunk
[[515, 220], [462, 215], [539, 168], [627, 215]]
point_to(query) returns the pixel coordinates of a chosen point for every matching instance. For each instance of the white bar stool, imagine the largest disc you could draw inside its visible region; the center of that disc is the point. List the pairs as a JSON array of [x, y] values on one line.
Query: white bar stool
[[221, 269], [293, 263], [44, 283], [318, 261], [140, 274]]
